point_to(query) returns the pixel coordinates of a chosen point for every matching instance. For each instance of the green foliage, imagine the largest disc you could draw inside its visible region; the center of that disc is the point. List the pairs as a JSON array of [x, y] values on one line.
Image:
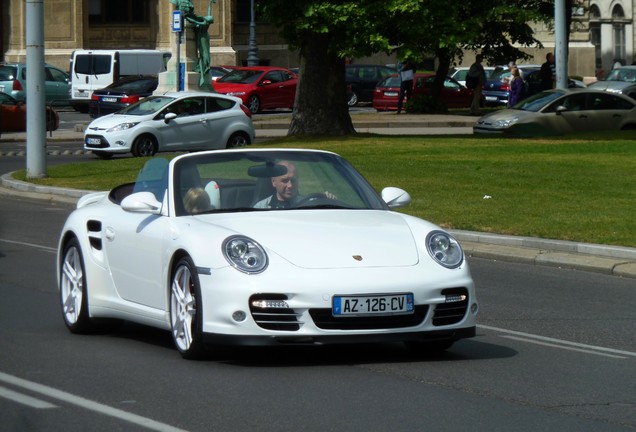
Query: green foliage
[[424, 104]]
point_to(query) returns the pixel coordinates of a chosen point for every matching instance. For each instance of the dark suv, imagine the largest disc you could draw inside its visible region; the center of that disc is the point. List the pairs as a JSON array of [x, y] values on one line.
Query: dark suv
[[361, 80]]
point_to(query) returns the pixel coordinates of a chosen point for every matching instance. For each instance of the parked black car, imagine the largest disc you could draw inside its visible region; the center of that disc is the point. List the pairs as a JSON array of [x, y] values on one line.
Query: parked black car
[[121, 93], [361, 80]]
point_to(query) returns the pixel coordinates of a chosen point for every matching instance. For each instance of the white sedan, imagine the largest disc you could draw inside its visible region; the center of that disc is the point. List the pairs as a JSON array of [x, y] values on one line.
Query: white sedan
[[172, 122], [263, 247]]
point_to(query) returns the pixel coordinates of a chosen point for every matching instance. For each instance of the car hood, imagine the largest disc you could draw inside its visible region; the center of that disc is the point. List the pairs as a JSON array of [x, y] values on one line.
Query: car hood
[[610, 85], [111, 120], [507, 114], [329, 238]]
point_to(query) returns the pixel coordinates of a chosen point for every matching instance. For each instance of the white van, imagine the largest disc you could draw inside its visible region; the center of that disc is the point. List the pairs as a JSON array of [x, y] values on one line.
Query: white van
[[95, 69]]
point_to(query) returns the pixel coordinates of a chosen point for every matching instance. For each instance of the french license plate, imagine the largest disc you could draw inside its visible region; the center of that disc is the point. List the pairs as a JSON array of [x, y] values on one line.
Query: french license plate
[[491, 98], [109, 99], [93, 141], [373, 305], [391, 94]]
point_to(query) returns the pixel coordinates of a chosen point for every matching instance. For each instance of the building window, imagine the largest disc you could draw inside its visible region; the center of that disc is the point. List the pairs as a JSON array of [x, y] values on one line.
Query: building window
[[618, 17], [118, 12], [595, 35]]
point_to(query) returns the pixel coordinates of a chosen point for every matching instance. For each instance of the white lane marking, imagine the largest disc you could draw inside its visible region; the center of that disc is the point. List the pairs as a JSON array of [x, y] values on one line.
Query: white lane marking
[[69, 398], [536, 342], [559, 342], [45, 248], [24, 399]]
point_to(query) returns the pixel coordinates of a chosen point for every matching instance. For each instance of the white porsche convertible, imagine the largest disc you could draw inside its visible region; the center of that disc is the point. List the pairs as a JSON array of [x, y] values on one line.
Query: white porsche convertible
[[263, 247]]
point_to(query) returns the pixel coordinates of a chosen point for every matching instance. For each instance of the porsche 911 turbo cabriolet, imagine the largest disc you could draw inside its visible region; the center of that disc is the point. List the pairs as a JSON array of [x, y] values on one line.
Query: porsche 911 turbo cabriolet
[[263, 247]]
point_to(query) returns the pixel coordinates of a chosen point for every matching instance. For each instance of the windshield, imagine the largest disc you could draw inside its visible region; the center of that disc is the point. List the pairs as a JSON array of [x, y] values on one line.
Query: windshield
[[622, 74], [268, 181], [241, 76], [149, 105], [536, 102]]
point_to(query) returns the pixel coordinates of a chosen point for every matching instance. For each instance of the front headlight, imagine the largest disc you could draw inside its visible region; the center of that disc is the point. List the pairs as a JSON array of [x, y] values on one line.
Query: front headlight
[[444, 249], [506, 123], [245, 254], [122, 126]]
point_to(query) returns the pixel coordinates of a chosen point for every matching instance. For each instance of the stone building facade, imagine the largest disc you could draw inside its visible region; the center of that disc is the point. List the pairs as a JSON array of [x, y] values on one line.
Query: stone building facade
[[127, 24], [602, 32]]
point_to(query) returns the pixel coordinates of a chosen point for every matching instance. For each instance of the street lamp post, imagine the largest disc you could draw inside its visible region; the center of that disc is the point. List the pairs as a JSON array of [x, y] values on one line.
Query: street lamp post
[[252, 55]]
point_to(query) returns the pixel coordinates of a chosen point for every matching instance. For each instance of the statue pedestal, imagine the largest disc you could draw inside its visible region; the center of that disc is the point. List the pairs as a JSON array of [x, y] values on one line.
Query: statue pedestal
[[189, 57]]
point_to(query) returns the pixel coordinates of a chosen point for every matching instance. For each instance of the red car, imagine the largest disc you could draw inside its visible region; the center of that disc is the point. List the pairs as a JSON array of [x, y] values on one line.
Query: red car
[[454, 95], [13, 115], [260, 87]]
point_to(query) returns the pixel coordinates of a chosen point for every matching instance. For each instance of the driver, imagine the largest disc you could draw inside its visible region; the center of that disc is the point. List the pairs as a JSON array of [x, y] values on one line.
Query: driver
[[286, 187]]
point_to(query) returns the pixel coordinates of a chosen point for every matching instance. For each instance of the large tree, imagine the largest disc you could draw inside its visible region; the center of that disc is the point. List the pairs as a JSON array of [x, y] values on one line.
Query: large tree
[[325, 32]]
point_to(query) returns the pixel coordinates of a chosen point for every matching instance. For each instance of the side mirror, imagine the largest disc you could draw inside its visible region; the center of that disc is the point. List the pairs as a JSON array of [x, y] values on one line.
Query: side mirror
[[141, 202], [169, 116], [266, 82], [560, 109], [396, 197]]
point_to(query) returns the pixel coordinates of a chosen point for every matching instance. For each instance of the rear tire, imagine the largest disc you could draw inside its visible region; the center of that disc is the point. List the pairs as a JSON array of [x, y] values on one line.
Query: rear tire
[[238, 139], [352, 98]]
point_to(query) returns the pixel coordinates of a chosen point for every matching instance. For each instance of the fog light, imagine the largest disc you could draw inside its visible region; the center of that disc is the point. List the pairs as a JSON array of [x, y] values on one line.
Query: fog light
[[239, 316], [270, 304], [453, 298], [474, 308]]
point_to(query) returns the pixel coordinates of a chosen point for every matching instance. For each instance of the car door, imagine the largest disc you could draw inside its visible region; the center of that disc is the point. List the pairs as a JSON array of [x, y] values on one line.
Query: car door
[[270, 90], [57, 85], [568, 114], [607, 111], [188, 131], [133, 244]]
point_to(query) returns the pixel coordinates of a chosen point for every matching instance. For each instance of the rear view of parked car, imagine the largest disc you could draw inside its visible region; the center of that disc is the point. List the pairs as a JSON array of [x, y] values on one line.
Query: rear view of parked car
[[121, 94], [13, 81]]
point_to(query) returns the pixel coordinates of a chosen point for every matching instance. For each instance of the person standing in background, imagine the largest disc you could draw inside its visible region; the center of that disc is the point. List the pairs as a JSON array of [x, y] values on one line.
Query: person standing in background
[[517, 87], [547, 72], [407, 72], [477, 78]]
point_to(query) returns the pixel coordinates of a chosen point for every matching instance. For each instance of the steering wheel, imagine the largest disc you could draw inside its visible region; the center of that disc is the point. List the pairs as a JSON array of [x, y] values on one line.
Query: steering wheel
[[312, 197]]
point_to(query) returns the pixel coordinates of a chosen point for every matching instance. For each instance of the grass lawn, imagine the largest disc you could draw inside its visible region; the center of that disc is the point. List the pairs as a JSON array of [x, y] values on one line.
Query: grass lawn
[[580, 188]]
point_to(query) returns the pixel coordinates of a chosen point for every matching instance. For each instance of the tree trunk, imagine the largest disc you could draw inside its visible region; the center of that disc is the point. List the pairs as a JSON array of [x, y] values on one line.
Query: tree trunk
[[321, 106]]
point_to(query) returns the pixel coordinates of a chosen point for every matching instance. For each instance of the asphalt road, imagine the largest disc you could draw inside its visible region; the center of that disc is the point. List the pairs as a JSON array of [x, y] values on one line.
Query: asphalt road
[[555, 351]]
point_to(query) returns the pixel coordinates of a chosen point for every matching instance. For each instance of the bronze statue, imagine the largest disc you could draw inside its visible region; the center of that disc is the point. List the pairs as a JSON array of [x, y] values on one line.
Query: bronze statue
[[200, 24]]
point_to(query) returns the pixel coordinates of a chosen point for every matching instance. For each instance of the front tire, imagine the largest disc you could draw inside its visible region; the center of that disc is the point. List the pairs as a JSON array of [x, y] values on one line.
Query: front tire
[[352, 98], [73, 289], [144, 146], [186, 310]]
